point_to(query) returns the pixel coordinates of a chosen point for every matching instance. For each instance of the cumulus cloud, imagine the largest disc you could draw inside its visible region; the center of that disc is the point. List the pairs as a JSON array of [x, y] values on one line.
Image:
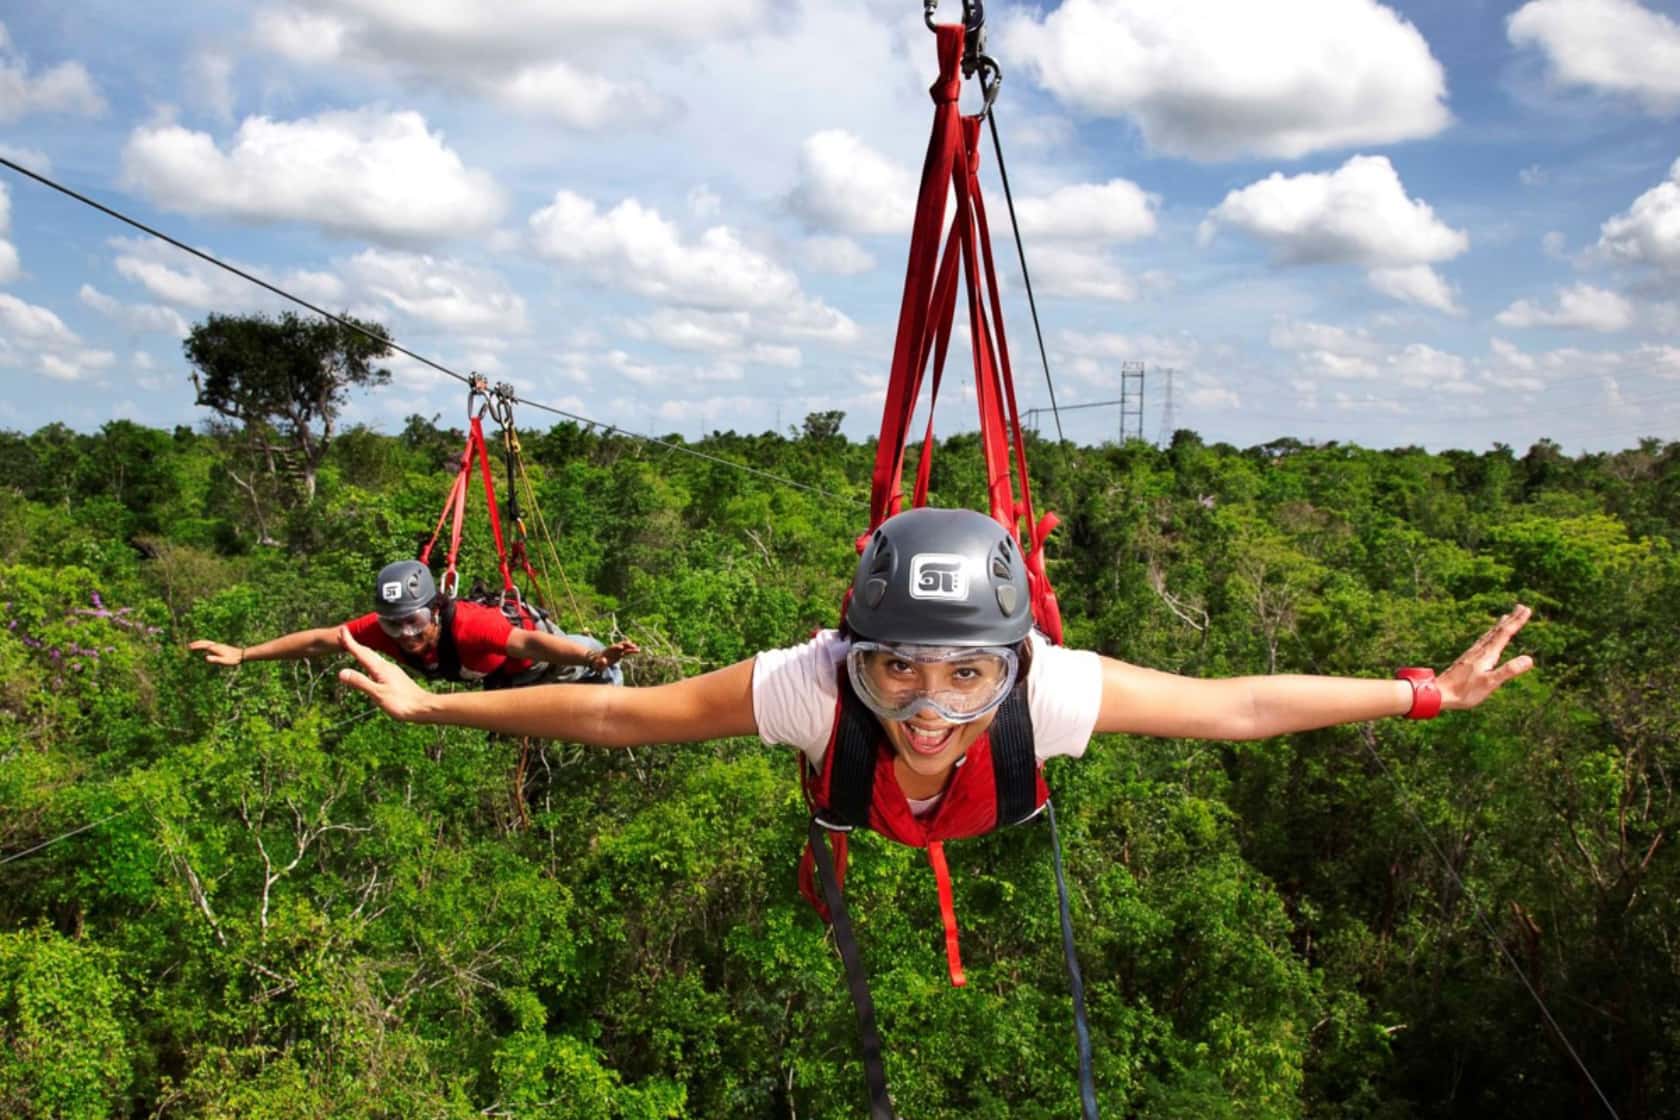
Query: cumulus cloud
[[441, 292], [1613, 46], [1324, 352], [633, 247], [1581, 306], [9, 267], [1359, 213], [66, 88], [1416, 283], [838, 256], [1118, 210], [173, 277], [1078, 273], [1417, 366], [34, 336], [532, 55], [847, 186], [1211, 79], [149, 317], [363, 173], [1649, 232]]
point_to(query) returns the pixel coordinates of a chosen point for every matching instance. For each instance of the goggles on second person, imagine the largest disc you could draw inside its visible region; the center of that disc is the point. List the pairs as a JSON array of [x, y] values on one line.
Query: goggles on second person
[[409, 625], [958, 683]]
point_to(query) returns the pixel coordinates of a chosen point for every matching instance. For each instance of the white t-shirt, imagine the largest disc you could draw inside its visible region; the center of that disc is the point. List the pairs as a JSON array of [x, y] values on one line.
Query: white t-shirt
[[795, 690]]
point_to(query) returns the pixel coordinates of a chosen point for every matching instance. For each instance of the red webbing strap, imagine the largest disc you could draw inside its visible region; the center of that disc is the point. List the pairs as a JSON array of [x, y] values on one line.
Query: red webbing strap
[[947, 912], [457, 493], [808, 873], [886, 496], [944, 307], [489, 500]]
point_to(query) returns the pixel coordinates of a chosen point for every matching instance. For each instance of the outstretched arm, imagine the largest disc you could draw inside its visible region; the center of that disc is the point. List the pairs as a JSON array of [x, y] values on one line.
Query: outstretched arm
[[713, 706], [556, 649], [288, 647], [1146, 702]]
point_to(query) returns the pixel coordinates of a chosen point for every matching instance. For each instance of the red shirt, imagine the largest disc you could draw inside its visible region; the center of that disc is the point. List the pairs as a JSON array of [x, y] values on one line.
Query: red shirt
[[481, 635]]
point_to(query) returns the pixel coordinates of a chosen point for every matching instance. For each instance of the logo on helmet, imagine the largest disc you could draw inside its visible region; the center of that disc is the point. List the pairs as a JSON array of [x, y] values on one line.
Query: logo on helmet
[[938, 575], [391, 592]]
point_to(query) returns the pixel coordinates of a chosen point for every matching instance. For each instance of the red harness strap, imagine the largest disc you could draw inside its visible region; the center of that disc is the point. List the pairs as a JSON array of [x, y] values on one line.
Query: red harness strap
[[456, 504], [926, 315]]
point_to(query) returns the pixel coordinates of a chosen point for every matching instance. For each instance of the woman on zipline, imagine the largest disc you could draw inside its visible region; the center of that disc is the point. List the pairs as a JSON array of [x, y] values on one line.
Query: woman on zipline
[[444, 639], [938, 631]]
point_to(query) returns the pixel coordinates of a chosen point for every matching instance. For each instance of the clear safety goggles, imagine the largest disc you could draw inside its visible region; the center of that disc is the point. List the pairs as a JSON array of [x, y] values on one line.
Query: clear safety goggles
[[957, 683], [409, 625]]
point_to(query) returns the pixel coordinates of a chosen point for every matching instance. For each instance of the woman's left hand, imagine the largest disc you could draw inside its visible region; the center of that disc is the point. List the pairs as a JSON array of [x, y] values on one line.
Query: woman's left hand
[[1477, 673]]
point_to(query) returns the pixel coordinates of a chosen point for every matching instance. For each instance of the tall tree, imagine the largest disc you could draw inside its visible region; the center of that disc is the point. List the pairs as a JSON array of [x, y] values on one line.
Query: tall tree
[[283, 381]]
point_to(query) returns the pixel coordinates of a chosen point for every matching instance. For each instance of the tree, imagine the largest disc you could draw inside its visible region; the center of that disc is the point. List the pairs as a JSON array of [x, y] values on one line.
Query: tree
[[283, 381]]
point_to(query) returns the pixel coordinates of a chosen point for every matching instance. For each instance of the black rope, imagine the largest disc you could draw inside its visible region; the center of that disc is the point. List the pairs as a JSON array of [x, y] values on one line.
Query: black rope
[[874, 1072], [388, 341], [1487, 926], [1076, 982], [65, 836], [1021, 252]]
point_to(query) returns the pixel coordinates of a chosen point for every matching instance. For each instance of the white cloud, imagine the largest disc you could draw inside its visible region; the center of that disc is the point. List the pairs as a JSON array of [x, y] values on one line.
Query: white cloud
[[1212, 79], [135, 316], [441, 292], [1416, 283], [1079, 273], [847, 186], [524, 53], [1581, 306], [1298, 336], [66, 88], [688, 329], [1614, 46], [32, 158], [31, 332], [9, 267], [1118, 210], [1359, 213], [211, 73], [176, 278], [363, 173], [578, 98], [1649, 232], [838, 256], [1417, 366], [634, 248]]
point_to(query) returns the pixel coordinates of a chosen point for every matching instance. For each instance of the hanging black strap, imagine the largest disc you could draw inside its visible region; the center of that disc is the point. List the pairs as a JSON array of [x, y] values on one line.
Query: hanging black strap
[[1076, 982], [1014, 766], [875, 1074], [448, 654], [851, 780]]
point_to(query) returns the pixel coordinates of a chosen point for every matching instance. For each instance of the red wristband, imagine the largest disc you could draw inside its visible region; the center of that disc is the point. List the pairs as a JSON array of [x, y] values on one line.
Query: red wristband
[[1426, 697]]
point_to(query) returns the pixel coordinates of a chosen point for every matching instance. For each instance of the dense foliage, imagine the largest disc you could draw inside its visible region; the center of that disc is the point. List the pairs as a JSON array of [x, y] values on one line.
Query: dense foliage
[[257, 900]]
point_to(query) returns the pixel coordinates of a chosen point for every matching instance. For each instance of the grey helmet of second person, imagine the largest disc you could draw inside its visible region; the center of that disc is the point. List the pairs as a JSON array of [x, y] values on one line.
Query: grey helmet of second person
[[949, 577], [403, 588]]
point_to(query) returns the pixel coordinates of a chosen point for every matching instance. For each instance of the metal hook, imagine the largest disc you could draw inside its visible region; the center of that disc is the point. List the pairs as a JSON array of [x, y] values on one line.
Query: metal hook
[[985, 64], [477, 386]]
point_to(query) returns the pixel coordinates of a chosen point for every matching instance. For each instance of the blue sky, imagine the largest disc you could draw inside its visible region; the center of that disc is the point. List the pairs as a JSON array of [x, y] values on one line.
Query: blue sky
[[1445, 223]]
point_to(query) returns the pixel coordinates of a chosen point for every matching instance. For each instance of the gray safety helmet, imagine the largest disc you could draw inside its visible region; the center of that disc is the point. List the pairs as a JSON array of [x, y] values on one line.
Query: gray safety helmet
[[949, 577], [402, 588]]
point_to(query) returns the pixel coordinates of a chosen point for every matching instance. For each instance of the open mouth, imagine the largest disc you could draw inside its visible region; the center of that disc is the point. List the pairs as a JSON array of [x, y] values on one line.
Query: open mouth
[[929, 740]]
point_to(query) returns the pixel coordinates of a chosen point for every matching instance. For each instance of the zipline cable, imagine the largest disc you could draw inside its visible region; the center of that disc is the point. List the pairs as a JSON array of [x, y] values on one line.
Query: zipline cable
[[1366, 738], [387, 341], [1021, 252], [65, 836]]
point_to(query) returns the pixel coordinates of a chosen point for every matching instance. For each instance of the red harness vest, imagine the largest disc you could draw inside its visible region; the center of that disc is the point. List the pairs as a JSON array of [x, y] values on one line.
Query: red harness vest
[[996, 783]]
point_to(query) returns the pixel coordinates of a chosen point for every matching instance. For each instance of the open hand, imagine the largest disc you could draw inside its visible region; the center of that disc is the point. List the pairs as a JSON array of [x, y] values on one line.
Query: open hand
[[1477, 673], [616, 652], [218, 653], [388, 685]]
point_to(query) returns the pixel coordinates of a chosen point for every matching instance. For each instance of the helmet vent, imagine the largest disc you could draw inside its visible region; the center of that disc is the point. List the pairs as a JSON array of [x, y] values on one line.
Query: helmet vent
[[1000, 568], [876, 589], [1008, 598]]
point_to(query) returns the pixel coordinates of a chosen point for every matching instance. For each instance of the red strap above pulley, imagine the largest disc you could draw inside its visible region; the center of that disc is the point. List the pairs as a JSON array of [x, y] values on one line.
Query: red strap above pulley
[[926, 315]]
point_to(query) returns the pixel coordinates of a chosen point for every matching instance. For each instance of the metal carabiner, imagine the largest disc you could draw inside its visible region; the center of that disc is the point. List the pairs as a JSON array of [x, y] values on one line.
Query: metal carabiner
[[974, 14], [478, 386], [985, 64]]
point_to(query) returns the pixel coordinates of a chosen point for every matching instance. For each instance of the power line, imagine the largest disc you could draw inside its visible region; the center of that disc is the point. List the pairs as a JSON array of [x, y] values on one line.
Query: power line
[[65, 836], [388, 341]]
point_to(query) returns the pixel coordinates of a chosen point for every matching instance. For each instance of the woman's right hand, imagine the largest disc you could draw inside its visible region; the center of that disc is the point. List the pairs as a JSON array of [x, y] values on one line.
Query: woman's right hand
[[389, 686], [218, 653]]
